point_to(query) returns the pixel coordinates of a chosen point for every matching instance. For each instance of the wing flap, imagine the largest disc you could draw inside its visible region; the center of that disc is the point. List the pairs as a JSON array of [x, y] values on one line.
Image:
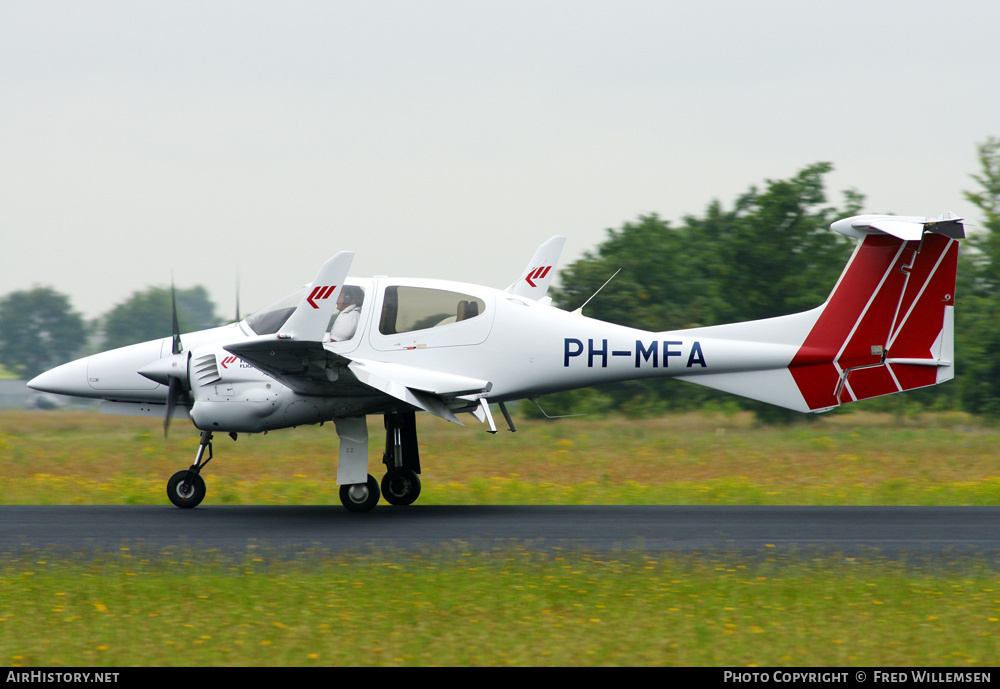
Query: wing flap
[[427, 390], [425, 380]]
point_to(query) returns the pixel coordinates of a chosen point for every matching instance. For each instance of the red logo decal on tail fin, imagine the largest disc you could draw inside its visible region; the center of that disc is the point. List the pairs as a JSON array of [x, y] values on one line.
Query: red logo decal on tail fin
[[537, 274], [320, 293]]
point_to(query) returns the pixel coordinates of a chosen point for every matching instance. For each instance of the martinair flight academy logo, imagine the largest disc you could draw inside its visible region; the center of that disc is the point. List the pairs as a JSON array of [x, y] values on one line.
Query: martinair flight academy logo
[[319, 294], [537, 274]]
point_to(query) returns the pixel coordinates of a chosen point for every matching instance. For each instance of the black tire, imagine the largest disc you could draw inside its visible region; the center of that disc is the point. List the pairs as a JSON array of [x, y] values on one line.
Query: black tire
[[400, 486], [186, 495], [360, 497]]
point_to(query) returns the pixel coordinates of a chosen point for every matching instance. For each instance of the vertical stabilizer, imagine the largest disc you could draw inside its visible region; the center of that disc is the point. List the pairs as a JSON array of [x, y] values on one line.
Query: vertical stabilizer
[[888, 325]]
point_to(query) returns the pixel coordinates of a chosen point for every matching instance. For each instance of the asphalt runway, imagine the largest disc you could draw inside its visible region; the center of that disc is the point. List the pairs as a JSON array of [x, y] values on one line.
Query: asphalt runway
[[937, 534]]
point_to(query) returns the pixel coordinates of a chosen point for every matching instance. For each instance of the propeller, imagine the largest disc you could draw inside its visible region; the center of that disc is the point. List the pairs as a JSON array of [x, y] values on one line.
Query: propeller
[[175, 389], [176, 348], [172, 370]]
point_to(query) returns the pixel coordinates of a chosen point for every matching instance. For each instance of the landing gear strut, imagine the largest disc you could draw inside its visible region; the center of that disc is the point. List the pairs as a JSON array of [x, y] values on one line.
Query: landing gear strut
[[186, 488], [401, 483]]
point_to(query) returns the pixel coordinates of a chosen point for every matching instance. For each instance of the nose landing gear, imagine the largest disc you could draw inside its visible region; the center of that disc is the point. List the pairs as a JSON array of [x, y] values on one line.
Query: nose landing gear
[[186, 488]]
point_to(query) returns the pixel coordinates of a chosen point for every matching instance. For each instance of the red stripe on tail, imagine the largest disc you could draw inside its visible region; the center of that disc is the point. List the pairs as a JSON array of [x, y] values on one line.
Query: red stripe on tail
[[888, 304]]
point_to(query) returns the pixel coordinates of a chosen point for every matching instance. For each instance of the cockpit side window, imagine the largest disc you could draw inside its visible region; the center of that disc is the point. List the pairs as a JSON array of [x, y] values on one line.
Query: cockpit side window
[[405, 309]]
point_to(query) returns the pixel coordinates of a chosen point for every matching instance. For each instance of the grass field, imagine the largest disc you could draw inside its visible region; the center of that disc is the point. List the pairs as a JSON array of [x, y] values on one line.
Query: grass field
[[847, 459], [516, 607], [502, 608]]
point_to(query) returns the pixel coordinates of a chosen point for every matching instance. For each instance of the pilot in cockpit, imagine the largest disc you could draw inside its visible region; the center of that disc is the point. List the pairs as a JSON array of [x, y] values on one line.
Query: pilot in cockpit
[[349, 304]]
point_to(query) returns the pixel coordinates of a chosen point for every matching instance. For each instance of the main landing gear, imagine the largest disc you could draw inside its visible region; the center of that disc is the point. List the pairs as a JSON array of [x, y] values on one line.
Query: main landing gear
[[400, 485]]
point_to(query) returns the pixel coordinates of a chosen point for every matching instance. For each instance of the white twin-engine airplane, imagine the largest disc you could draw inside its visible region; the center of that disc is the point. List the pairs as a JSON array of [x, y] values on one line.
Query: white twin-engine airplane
[[397, 346]]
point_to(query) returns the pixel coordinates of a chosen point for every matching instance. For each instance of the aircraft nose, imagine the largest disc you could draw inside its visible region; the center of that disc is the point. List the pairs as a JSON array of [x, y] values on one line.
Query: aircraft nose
[[112, 375], [68, 379]]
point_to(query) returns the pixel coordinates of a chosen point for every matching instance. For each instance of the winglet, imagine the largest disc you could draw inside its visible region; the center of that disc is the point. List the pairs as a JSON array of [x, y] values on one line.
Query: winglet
[[537, 276], [311, 318]]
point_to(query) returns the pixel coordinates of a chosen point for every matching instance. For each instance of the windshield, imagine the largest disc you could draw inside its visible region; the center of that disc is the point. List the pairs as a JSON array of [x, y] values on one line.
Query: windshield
[[268, 320]]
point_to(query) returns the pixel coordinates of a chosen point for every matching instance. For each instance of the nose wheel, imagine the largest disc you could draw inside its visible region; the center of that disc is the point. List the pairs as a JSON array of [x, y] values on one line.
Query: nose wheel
[[185, 489]]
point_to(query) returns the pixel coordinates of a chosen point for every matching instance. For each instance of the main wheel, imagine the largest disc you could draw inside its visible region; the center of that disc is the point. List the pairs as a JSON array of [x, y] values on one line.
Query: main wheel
[[184, 494], [360, 497], [400, 486]]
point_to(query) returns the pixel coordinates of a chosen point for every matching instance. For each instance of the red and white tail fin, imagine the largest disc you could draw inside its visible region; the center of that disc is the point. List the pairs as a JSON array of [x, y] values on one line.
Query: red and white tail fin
[[888, 325]]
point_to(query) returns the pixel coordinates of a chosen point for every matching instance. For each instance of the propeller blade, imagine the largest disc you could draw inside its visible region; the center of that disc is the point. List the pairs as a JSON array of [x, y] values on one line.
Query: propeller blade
[[173, 395], [176, 347], [175, 386]]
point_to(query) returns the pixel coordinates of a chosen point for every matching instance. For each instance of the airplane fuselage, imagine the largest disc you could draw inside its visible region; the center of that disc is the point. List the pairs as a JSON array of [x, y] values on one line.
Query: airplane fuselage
[[523, 347]]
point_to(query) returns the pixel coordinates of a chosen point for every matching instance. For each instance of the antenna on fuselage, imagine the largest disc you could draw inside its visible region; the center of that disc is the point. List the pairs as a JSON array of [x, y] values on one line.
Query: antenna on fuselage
[[580, 310], [238, 319], [534, 401]]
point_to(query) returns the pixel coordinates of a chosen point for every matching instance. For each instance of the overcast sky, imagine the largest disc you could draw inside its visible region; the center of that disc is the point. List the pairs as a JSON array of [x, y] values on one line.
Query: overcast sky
[[442, 138]]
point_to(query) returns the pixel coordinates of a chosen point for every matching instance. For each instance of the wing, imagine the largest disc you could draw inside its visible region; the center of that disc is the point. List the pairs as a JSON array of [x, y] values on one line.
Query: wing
[[309, 368]]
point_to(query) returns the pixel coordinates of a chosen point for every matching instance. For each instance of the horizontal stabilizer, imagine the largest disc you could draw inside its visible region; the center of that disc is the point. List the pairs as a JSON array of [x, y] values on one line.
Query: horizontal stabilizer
[[907, 228]]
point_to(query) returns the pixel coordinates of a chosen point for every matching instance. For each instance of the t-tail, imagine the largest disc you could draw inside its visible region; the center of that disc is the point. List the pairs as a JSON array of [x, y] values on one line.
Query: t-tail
[[888, 325]]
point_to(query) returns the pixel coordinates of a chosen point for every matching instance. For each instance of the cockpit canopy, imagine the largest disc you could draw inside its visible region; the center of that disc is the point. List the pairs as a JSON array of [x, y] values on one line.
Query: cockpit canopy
[[401, 309]]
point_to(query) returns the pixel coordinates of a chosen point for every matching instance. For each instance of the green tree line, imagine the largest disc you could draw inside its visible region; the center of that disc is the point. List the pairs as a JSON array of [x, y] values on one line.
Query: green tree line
[[40, 329], [768, 254]]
